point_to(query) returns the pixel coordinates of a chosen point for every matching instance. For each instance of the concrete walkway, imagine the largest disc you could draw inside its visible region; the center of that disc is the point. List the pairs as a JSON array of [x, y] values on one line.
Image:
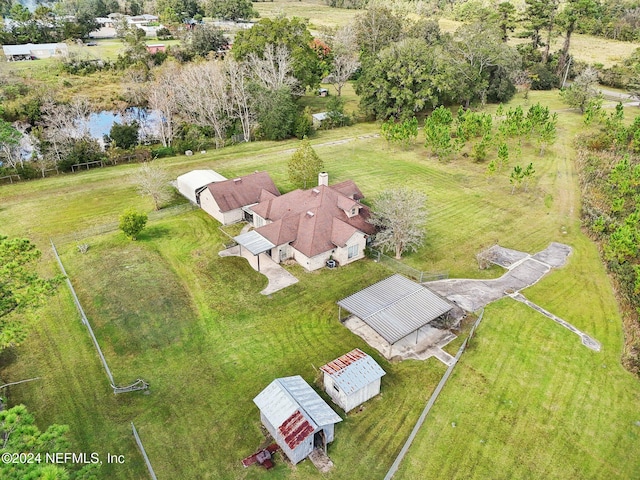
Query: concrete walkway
[[278, 277], [587, 341], [524, 270]]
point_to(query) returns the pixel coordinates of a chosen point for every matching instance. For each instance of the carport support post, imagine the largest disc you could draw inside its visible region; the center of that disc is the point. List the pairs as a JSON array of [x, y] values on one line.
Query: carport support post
[[339, 313], [258, 257]]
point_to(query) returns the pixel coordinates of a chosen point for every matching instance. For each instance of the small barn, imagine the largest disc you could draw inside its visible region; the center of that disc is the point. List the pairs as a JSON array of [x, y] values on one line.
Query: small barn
[[192, 183], [297, 418], [318, 118], [352, 379], [230, 201]]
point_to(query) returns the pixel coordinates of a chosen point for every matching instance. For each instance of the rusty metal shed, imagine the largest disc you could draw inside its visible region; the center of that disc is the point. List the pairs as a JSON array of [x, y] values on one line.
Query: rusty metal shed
[[352, 379], [297, 418], [395, 307]]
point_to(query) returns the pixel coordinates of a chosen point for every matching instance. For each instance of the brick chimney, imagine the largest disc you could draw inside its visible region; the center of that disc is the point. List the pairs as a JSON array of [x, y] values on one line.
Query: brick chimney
[[323, 179]]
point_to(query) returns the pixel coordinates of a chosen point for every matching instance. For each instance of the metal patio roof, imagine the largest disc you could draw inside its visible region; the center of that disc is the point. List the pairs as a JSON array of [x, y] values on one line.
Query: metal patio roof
[[396, 306], [254, 242]]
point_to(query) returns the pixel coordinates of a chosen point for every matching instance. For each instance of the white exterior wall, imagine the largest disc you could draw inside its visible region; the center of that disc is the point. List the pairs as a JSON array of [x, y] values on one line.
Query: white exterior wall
[[209, 205], [349, 402], [281, 253], [341, 254], [311, 263], [296, 455]]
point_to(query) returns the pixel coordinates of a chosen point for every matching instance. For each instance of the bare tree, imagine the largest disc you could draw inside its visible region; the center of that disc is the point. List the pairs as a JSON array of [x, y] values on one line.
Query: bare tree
[[345, 56], [162, 97], [240, 97], [274, 69], [401, 216], [153, 181], [202, 97], [65, 123]]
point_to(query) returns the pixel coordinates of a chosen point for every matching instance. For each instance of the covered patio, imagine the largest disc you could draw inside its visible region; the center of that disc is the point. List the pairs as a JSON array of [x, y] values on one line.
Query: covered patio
[[393, 316]]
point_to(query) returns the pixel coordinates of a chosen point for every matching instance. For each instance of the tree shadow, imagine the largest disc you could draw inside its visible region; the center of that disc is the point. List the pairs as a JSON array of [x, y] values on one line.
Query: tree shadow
[[153, 232]]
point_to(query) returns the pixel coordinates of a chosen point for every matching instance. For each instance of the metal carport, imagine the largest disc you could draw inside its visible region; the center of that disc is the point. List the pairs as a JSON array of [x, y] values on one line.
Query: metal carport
[[255, 243], [395, 307]]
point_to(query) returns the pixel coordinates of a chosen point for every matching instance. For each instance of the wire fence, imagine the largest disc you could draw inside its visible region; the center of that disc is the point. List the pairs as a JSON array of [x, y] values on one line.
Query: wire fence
[[430, 403], [143, 452], [114, 226], [406, 270], [139, 384], [84, 318]]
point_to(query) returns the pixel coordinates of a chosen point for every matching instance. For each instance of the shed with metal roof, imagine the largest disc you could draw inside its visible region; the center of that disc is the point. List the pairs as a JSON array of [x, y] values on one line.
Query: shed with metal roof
[[396, 307], [192, 183], [352, 379], [297, 418]]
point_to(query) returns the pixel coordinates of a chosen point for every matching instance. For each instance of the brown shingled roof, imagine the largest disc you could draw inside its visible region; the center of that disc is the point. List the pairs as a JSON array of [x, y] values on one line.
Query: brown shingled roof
[[314, 221], [243, 191]]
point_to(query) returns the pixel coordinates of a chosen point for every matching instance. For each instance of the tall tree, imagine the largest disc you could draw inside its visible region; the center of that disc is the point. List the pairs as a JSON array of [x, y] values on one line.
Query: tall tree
[[207, 38], [377, 28], [401, 216], [241, 102], [291, 33], [400, 80], [162, 97], [506, 19], [304, 165], [272, 69], [574, 11], [477, 60], [230, 9], [153, 181], [20, 287], [344, 48], [202, 97], [9, 144]]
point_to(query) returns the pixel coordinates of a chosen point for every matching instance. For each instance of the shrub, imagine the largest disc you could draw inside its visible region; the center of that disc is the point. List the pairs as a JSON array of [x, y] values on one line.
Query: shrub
[[132, 223]]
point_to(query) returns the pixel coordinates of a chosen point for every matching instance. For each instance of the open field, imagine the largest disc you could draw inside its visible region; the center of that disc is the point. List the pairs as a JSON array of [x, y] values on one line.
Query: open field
[[528, 399]]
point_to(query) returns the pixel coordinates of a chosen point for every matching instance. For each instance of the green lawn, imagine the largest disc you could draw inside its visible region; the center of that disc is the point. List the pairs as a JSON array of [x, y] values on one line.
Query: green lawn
[[528, 400]]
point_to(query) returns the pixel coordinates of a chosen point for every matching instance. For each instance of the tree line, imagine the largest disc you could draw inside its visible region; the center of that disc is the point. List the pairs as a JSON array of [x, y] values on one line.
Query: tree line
[[609, 167]]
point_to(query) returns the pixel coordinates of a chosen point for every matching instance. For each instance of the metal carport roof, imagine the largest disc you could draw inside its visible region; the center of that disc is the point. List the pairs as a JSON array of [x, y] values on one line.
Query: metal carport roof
[[395, 307], [254, 242]]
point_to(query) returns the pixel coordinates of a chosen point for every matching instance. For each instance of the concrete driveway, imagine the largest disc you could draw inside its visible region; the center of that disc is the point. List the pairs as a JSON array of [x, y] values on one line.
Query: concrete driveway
[[278, 277], [523, 271]]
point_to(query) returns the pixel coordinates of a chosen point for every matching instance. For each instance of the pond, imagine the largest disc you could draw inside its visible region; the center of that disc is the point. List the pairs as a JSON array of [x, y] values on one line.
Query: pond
[[99, 124]]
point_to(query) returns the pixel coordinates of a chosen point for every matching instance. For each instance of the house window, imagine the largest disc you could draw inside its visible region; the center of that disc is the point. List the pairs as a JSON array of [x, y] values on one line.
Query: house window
[[335, 387], [353, 251], [258, 220], [354, 210]]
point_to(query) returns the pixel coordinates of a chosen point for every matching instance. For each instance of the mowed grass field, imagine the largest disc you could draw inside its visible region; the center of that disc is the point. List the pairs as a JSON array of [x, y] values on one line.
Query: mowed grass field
[[527, 399]]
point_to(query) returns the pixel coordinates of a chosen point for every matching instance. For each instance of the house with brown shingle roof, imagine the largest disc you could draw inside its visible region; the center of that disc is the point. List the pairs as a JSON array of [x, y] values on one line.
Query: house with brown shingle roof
[[312, 226], [227, 201]]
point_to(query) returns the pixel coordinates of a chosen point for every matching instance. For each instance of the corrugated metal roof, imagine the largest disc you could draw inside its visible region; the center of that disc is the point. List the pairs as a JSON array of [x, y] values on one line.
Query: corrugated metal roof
[[254, 242], [285, 399], [310, 401], [396, 307], [296, 429], [353, 371]]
